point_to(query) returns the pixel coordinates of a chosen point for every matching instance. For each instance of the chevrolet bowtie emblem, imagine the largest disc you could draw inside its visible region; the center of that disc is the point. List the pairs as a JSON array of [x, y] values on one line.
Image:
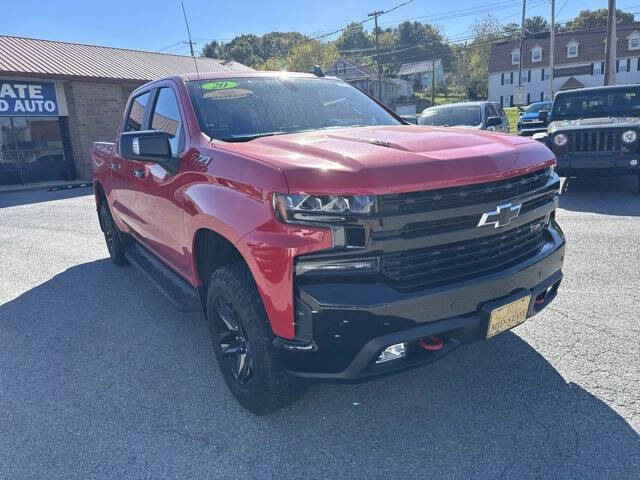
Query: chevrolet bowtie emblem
[[501, 216]]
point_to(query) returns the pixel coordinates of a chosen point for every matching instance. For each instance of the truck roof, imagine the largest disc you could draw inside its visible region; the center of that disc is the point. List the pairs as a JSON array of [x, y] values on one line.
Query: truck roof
[[214, 75], [604, 87]]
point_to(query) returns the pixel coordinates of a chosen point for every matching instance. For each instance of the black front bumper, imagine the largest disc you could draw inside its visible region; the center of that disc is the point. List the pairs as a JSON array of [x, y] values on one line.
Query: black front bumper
[[353, 323], [604, 164]]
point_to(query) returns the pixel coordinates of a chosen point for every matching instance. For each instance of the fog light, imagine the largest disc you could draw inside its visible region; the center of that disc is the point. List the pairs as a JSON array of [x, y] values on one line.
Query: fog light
[[394, 352]]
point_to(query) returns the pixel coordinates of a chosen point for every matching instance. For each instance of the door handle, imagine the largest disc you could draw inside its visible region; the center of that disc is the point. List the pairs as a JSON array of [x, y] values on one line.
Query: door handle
[[114, 166], [139, 173]]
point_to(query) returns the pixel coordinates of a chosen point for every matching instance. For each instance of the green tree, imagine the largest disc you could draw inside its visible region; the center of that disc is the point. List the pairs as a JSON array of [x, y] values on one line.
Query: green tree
[[304, 56], [535, 25], [353, 37], [597, 18], [215, 49], [470, 72]]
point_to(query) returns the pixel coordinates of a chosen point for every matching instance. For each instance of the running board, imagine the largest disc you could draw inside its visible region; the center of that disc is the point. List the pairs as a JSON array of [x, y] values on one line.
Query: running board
[[182, 296]]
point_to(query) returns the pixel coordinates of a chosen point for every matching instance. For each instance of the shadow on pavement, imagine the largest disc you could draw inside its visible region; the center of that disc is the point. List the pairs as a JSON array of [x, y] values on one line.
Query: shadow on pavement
[[605, 195], [101, 378], [13, 199]]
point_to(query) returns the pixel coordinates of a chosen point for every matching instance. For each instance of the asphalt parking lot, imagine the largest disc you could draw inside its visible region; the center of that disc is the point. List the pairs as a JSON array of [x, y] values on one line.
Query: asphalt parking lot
[[100, 378]]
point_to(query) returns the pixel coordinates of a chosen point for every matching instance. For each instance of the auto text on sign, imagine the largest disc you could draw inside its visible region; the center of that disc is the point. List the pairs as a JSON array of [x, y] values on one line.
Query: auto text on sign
[[27, 98]]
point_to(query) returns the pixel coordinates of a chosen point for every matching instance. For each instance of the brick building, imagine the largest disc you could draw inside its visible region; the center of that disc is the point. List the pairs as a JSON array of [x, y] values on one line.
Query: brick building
[[57, 98], [578, 62]]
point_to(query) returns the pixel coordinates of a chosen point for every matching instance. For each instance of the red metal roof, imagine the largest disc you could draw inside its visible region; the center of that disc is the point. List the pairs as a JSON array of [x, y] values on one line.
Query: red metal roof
[[48, 58]]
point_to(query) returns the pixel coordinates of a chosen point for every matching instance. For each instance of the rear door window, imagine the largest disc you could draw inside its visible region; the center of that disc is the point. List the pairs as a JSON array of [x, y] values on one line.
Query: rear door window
[[135, 118]]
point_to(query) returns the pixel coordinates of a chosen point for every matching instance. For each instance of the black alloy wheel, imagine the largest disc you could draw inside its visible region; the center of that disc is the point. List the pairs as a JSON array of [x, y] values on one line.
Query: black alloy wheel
[[233, 340]]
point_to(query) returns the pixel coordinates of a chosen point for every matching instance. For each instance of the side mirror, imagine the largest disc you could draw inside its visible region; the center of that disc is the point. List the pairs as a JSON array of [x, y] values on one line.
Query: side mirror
[[146, 146], [543, 115], [493, 122]]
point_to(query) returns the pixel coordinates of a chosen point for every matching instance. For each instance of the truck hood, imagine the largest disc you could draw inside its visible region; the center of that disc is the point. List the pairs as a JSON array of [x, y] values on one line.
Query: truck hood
[[597, 122], [391, 159]]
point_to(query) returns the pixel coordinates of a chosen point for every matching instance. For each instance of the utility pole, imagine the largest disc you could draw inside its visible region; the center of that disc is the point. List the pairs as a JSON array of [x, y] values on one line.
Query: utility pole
[[524, 6], [433, 69], [610, 51], [552, 38], [375, 14]]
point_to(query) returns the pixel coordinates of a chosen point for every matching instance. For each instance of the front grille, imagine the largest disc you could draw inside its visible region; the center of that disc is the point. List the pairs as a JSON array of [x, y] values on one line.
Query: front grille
[[440, 199], [451, 224], [454, 262], [594, 141]]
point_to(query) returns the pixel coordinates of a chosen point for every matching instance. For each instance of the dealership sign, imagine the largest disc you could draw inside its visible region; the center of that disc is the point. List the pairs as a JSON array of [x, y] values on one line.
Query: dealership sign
[[19, 98]]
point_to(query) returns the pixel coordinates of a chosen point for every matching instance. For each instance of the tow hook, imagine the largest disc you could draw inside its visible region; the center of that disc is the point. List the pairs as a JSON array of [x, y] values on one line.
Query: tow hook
[[432, 343]]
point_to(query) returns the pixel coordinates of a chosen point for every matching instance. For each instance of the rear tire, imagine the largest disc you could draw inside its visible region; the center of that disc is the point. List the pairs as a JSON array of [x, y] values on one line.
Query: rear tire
[[243, 343], [117, 243]]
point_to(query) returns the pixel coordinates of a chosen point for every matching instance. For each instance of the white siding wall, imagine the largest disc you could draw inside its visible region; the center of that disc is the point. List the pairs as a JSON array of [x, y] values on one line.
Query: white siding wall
[[537, 85]]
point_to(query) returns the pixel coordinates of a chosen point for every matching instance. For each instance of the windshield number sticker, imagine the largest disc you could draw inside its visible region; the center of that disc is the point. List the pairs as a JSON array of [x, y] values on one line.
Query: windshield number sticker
[[218, 85]]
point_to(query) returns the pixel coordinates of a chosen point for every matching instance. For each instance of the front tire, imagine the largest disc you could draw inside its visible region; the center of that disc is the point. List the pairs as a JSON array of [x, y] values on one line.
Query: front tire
[[243, 343], [117, 244]]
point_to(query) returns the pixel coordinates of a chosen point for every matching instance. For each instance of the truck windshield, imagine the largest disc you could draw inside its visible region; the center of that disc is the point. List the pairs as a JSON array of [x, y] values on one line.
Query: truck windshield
[[241, 109], [619, 102], [452, 116]]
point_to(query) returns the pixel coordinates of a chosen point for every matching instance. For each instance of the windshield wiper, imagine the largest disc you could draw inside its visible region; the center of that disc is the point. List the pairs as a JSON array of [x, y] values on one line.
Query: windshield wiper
[[253, 136]]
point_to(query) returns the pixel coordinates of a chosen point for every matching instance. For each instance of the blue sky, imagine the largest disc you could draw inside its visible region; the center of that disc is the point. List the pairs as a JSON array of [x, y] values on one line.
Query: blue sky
[[155, 25]]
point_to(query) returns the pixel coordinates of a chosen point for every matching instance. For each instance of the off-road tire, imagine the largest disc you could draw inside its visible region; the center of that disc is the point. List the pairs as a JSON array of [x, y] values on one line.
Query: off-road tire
[[269, 387], [117, 242]]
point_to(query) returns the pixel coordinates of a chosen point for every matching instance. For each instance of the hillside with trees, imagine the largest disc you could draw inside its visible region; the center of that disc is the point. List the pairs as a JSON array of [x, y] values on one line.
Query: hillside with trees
[[465, 62]]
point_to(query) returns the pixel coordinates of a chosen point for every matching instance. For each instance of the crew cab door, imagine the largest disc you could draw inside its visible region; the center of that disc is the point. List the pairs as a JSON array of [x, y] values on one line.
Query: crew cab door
[[156, 191], [124, 205]]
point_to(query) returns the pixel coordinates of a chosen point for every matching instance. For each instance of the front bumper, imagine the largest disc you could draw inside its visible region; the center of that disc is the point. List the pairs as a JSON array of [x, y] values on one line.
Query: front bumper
[[353, 323], [616, 164]]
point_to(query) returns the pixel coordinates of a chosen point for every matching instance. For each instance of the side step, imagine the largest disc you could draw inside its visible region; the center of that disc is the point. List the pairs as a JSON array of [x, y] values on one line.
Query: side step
[[179, 292]]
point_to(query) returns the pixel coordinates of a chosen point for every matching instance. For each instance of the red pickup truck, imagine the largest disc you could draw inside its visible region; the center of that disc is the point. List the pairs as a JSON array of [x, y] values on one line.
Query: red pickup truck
[[324, 237]]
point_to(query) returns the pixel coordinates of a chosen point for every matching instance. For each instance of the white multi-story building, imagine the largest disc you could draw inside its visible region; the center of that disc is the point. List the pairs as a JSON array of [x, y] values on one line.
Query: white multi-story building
[[578, 59]]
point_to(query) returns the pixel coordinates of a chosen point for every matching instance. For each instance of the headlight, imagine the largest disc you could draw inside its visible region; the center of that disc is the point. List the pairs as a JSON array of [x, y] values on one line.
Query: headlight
[[560, 139], [301, 207], [338, 267], [629, 136]]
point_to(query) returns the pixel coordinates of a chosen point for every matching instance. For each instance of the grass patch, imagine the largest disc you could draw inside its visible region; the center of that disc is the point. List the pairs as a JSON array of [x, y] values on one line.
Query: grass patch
[[512, 115]]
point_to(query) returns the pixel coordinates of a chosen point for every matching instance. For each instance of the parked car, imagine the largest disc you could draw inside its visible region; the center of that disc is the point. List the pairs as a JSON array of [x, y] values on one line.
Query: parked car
[[322, 237], [594, 131], [529, 121], [477, 115]]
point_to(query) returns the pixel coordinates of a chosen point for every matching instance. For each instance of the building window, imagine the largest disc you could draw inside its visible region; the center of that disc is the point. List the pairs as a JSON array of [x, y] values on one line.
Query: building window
[[515, 57], [528, 98], [502, 79], [638, 64], [572, 49], [602, 68], [634, 41], [541, 96], [628, 64], [511, 78], [501, 100], [544, 75], [618, 66], [511, 100], [536, 54]]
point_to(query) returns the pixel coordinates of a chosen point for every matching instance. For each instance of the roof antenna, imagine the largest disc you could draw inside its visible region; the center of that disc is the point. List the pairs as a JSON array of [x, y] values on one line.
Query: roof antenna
[[190, 43]]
